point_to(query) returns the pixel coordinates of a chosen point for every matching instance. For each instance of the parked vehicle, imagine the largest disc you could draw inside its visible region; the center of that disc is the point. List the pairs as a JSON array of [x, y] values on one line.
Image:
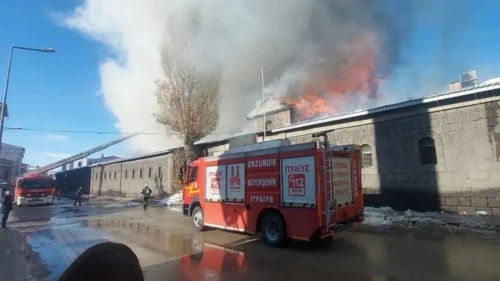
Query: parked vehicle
[[302, 192], [34, 190]]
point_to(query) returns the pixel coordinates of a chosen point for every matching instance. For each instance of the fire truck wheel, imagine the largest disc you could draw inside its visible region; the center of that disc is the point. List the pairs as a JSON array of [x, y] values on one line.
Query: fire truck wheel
[[273, 230], [198, 218]]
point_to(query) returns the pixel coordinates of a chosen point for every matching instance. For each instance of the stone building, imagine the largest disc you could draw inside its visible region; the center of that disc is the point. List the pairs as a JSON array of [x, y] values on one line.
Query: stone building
[[278, 115], [436, 153], [5, 169], [15, 155], [125, 177]]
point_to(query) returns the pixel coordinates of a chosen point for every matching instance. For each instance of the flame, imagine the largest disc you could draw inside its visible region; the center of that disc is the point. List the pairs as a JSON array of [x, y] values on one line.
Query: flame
[[353, 77]]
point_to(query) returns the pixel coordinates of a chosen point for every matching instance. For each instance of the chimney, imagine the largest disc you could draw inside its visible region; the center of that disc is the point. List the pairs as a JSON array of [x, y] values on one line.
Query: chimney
[[102, 155], [455, 86]]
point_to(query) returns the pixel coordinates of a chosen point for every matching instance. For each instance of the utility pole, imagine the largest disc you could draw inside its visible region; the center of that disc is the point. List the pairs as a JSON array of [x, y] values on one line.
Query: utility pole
[[263, 103], [6, 90]]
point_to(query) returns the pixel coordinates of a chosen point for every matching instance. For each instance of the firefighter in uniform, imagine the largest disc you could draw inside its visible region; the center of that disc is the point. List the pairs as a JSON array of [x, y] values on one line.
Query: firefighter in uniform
[[146, 192]]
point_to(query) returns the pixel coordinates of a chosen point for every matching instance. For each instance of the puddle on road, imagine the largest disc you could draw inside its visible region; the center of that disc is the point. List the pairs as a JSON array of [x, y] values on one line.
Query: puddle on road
[[167, 254], [58, 246]]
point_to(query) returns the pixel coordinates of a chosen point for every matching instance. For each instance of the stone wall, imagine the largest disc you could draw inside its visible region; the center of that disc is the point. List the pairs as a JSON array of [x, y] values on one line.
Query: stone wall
[[278, 120], [466, 139], [126, 179]]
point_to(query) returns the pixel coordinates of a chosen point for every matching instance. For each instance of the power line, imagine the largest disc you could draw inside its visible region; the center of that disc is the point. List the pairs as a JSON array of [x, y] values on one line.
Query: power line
[[97, 132]]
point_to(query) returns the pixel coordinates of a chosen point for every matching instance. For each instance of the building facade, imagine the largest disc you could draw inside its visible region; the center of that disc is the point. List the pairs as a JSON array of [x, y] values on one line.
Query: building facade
[[84, 162], [430, 154], [278, 115], [15, 154], [5, 169], [127, 177]]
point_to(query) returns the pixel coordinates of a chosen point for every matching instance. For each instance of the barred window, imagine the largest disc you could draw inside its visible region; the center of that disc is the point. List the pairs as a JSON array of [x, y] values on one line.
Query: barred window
[[140, 173], [366, 156], [427, 149], [115, 175], [126, 173], [133, 173]]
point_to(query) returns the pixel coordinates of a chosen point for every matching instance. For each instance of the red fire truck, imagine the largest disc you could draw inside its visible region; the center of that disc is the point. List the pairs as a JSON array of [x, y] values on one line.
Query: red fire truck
[[34, 190], [300, 192]]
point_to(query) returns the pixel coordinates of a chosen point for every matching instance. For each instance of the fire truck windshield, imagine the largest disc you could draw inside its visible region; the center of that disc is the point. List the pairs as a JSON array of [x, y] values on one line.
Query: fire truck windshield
[[37, 183], [192, 173]]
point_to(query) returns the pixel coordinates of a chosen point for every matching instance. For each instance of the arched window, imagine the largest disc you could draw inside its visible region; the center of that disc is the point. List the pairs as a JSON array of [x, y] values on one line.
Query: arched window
[[427, 149], [269, 125], [366, 156]]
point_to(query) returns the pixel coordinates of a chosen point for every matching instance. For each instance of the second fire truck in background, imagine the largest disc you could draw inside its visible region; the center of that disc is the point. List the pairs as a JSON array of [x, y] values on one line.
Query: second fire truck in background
[[34, 190]]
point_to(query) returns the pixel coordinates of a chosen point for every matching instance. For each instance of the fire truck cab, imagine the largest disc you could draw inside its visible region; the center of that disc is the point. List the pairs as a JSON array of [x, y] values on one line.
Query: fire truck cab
[[301, 192], [34, 190]]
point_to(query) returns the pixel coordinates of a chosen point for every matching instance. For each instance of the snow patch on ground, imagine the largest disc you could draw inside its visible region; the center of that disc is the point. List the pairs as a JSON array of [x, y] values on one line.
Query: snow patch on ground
[[385, 216], [122, 205], [173, 200], [175, 208]]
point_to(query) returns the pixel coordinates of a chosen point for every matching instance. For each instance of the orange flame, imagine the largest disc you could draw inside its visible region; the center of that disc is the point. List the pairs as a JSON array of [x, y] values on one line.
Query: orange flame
[[355, 76]]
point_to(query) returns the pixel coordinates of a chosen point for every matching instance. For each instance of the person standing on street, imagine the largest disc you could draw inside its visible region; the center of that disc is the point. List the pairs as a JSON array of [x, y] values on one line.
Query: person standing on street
[[146, 192], [6, 207], [79, 194]]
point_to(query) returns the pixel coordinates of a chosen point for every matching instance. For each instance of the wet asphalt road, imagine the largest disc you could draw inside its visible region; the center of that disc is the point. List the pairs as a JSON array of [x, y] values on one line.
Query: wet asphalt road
[[168, 249]]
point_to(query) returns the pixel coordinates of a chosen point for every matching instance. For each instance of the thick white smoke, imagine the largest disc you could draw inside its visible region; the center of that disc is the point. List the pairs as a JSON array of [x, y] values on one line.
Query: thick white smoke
[[235, 37]]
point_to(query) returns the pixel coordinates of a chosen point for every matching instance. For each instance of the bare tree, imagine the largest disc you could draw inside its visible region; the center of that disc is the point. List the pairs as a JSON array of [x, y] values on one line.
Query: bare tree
[[188, 99]]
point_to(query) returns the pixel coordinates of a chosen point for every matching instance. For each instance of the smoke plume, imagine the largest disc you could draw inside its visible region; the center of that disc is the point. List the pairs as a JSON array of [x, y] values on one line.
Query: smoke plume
[[300, 43]]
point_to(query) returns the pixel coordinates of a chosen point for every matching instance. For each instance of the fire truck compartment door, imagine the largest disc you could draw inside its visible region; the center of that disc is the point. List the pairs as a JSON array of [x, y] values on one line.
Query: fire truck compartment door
[[236, 183], [215, 183], [298, 183], [342, 180]]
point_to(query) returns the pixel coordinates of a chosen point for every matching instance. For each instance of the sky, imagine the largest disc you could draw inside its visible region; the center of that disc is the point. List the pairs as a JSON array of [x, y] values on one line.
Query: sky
[[100, 77]]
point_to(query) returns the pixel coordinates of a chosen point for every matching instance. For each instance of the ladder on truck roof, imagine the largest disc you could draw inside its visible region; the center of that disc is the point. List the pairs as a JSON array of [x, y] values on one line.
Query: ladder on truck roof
[[258, 146], [78, 156]]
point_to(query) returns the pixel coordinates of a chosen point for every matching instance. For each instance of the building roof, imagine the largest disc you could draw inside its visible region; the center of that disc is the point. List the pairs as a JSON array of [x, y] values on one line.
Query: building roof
[[162, 152], [271, 106], [139, 157], [491, 81], [221, 138], [484, 87], [104, 158], [436, 98]]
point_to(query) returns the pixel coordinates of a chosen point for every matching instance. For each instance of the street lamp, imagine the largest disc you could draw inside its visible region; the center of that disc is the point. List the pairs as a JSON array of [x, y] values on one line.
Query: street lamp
[[2, 111]]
